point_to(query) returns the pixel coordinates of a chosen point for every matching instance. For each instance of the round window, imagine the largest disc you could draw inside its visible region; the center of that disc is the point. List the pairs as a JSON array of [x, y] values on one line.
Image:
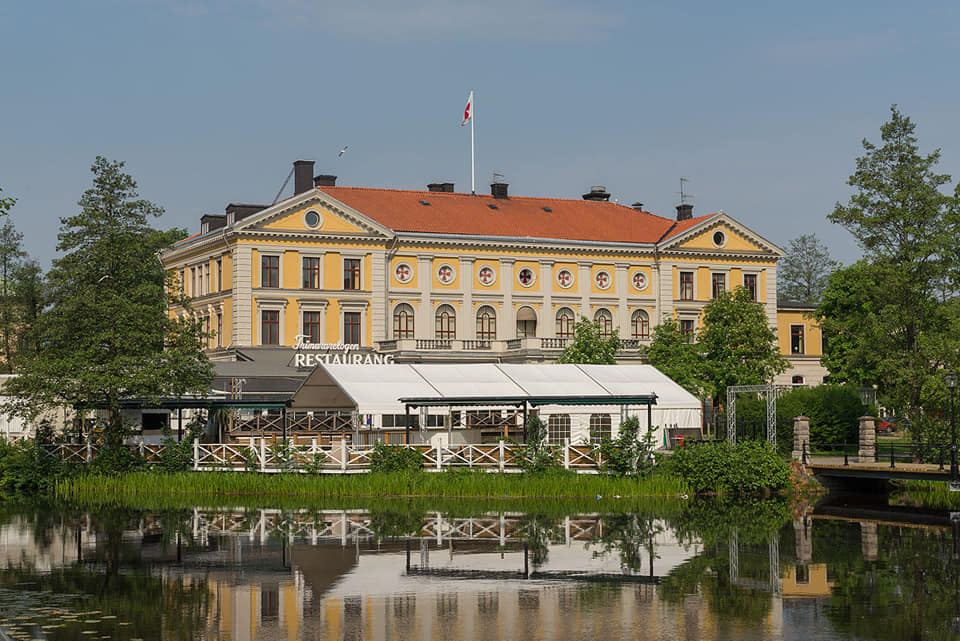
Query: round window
[[446, 273], [526, 277], [719, 238], [602, 279], [565, 278], [312, 219], [486, 275], [403, 273], [640, 281]]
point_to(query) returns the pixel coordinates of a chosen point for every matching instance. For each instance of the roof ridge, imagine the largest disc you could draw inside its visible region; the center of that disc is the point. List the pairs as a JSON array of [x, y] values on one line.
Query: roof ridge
[[461, 194]]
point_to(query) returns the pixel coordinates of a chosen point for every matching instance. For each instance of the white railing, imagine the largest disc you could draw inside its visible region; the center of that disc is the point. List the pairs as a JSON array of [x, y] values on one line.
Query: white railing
[[271, 456]]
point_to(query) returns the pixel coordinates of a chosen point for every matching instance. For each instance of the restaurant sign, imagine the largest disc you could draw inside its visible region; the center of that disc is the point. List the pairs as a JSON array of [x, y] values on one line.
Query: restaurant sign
[[313, 354]]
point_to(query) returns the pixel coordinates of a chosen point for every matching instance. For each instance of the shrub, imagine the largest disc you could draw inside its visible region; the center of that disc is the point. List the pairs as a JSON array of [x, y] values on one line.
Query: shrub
[[834, 412], [284, 455], [536, 455], [628, 454], [719, 467], [26, 468], [314, 465], [174, 456], [394, 458]]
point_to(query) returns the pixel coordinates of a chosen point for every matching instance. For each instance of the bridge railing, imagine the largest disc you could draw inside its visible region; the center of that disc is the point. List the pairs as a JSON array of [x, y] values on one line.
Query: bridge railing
[[893, 452]]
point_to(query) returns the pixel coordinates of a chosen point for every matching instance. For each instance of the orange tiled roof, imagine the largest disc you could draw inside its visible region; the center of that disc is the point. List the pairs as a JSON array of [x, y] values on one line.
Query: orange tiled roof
[[457, 213]]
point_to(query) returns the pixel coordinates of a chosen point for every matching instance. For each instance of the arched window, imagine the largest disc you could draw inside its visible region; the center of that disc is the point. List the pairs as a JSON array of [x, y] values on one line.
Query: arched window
[[526, 322], [486, 323], [564, 323], [403, 321], [446, 323], [558, 428], [599, 427], [640, 325], [604, 319]]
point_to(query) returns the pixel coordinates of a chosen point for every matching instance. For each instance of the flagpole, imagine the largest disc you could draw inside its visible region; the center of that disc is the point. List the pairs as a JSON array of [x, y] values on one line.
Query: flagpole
[[473, 157]]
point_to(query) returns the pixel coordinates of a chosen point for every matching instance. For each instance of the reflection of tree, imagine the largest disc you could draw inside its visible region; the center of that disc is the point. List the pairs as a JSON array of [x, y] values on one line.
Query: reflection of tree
[[394, 520], [113, 579], [714, 521], [911, 586], [751, 523], [537, 529], [631, 535], [709, 574], [150, 607]]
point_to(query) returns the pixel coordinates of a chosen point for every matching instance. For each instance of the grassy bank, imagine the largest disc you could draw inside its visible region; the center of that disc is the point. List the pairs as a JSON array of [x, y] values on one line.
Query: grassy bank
[[934, 495], [139, 488]]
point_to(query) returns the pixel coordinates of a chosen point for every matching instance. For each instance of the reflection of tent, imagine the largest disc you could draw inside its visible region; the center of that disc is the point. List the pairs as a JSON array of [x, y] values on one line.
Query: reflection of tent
[[322, 566], [390, 389]]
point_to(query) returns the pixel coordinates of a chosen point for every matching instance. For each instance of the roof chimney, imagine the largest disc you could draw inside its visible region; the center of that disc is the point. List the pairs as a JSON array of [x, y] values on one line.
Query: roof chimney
[[597, 192], [324, 180], [684, 212], [302, 176], [499, 190], [638, 206], [443, 187]]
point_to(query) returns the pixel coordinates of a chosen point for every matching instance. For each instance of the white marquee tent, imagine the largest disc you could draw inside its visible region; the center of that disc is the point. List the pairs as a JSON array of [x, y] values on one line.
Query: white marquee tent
[[575, 391]]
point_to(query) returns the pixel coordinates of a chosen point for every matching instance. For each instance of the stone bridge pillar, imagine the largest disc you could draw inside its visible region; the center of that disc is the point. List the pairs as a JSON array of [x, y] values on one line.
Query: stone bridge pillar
[[869, 541], [804, 540], [868, 440], [801, 435]]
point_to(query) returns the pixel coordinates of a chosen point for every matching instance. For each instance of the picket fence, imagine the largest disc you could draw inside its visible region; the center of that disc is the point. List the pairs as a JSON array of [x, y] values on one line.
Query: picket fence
[[264, 455]]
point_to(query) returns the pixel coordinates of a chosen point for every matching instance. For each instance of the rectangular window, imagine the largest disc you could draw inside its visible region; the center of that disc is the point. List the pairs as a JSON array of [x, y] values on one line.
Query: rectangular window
[[351, 273], [718, 284], [750, 283], [311, 273], [269, 271], [270, 327], [351, 328], [796, 339], [311, 326], [686, 285], [219, 329], [206, 278], [219, 284], [193, 281], [686, 328]]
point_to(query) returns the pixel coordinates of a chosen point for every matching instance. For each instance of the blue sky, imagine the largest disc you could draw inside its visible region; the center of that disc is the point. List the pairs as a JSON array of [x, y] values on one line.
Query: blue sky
[[761, 105]]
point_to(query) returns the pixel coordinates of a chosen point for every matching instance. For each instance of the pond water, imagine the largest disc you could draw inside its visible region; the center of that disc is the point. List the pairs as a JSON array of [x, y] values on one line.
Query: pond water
[[683, 570]]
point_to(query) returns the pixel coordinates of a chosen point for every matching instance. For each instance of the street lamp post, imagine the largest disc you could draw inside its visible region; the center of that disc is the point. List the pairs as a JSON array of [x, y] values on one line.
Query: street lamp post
[[951, 380]]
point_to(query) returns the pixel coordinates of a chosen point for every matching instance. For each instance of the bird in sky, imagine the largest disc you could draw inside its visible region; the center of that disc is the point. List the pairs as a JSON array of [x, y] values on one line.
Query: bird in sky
[[342, 150]]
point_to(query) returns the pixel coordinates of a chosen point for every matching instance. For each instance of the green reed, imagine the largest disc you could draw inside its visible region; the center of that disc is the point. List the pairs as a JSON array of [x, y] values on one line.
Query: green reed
[[227, 487], [935, 495]]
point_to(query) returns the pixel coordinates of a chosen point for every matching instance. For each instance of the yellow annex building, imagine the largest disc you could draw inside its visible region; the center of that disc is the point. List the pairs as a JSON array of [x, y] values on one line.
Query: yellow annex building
[[361, 275]]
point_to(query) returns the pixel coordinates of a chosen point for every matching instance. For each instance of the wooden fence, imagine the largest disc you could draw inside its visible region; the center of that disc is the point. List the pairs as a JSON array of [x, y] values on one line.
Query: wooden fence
[[272, 456]]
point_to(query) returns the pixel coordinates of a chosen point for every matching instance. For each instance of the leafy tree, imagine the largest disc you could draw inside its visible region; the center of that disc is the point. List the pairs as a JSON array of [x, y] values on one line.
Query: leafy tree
[[907, 228], [30, 294], [672, 353], [106, 334], [736, 345], [11, 255], [589, 346], [803, 272]]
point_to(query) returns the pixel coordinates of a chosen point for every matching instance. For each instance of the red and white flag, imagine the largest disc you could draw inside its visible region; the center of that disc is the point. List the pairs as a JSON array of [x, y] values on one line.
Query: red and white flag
[[468, 110]]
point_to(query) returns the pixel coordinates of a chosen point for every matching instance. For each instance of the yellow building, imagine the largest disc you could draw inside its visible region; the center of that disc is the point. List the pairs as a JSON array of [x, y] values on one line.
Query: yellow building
[[801, 342], [436, 275]]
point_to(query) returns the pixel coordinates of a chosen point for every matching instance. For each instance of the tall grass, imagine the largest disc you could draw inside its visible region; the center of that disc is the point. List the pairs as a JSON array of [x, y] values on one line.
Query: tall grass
[[935, 495], [217, 488]]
